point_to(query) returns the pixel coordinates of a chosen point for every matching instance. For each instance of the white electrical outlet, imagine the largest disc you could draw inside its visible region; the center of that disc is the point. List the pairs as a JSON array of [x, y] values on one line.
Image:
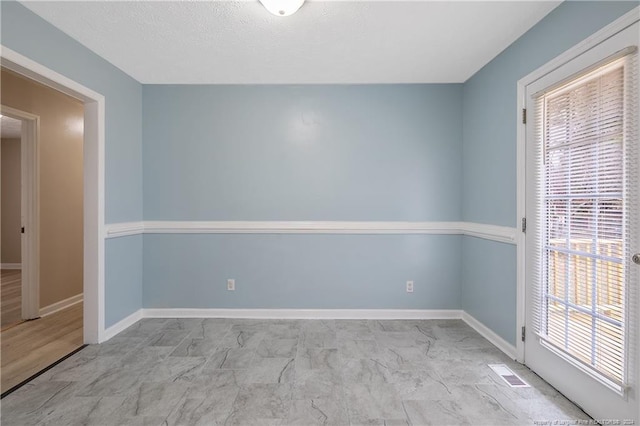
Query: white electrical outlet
[[231, 285], [409, 286]]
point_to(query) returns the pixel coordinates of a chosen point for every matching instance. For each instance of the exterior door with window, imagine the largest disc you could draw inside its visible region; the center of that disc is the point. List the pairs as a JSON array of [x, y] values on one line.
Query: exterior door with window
[[582, 206]]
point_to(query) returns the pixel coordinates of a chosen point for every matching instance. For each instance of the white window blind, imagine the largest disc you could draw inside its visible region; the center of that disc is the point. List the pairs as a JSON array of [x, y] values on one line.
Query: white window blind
[[586, 193]]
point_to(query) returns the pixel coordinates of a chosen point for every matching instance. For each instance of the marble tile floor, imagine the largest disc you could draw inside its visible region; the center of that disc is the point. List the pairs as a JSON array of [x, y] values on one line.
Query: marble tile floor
[[286, 372]]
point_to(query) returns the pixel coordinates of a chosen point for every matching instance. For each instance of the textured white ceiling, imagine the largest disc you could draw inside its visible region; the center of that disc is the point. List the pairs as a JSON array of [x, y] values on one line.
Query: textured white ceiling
[[10, 127], [222, 42]]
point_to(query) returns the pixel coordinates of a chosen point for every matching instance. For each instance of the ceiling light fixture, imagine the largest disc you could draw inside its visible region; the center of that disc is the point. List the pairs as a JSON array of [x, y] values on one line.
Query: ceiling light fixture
[[282, 7]]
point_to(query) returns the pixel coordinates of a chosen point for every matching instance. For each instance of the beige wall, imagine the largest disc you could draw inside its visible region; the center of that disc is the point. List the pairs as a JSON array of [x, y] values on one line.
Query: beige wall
[[10, 249], [61, 177]]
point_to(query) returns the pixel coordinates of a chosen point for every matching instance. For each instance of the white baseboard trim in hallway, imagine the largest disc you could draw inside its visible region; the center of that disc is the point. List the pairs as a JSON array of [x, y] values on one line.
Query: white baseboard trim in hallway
[[10, 265], [490, 335], [58, 306]]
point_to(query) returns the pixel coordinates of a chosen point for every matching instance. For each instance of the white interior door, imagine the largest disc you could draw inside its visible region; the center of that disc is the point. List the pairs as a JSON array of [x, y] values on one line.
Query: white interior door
[[582, 198]]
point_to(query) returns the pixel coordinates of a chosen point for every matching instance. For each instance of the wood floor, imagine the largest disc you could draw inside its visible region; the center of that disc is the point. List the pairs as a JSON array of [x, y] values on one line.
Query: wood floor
[[10, 296], [33, 345]]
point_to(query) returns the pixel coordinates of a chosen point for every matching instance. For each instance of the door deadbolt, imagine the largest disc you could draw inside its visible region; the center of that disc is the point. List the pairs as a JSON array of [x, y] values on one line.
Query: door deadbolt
[[636, 258]]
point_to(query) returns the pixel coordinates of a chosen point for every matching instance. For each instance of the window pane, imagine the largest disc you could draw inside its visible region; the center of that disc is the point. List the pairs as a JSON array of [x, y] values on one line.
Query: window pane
[[582, 204]]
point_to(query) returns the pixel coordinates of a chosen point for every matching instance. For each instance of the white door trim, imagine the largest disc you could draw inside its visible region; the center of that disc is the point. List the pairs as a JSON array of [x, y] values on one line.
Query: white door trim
[[595, 398], [29, 209], [613, 28], [94, 131]]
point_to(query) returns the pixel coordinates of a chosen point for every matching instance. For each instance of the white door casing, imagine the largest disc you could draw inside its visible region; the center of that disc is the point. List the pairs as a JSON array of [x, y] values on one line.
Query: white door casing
[[94, 187], [598, 399]]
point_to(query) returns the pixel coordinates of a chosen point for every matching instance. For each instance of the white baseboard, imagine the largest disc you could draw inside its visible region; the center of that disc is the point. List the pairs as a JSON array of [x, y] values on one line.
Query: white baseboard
[[490, 335], [305, 313], [380, 314], [121, 325], [10, 265], [58, 306], [376, 314]]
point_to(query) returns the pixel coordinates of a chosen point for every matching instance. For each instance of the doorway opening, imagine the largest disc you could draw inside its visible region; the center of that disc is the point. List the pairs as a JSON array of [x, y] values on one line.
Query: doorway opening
[[92, 177], [93, 183], [49, 227], [10, 209], [578, 190]]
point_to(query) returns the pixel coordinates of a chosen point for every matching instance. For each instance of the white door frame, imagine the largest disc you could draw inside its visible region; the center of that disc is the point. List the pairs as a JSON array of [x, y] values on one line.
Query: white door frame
[[29, 210], [605, 33], [93, 170], [615, 27]]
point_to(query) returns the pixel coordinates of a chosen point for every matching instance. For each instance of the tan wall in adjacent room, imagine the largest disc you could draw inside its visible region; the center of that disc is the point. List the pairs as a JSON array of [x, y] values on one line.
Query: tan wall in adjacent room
[[10, 203], [61, 183]]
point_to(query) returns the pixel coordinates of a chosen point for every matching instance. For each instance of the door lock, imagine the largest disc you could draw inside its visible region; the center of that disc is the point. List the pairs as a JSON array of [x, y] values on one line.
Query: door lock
[[636, 258]]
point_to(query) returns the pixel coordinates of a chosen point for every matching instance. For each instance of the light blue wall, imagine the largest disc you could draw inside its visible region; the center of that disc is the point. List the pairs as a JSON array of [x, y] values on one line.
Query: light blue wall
[[490, 107], [386, 152], [123, 277], [489, 150], [488, 289], [394, 152], [302, 271], [31, 36], [389, 153]]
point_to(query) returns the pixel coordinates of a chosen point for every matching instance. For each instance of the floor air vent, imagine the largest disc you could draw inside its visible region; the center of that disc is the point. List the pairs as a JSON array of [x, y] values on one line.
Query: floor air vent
[[508, 376]]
